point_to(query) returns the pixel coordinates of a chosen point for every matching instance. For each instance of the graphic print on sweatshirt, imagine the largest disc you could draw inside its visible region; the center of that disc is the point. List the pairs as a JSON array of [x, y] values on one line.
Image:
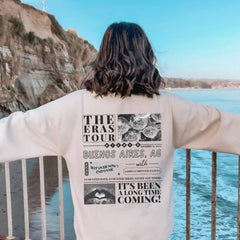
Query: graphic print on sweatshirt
[[121, 156]]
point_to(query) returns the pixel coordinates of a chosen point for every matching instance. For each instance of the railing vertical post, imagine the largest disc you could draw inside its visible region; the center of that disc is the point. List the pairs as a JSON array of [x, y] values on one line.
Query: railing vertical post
[[42, 192], [238, 231], [188, 206], [214, 184], [9, 201], [60, 187], [25, 200]]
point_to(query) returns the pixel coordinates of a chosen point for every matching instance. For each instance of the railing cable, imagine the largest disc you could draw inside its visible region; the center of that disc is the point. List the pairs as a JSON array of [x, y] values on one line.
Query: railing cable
[[188, 182], [213, 205], [42, 191], [238, 230], [60, 187], [9, 201], [25, 200]]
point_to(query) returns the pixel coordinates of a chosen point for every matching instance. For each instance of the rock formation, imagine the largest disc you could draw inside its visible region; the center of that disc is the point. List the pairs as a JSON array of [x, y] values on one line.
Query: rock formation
[[39, 61]]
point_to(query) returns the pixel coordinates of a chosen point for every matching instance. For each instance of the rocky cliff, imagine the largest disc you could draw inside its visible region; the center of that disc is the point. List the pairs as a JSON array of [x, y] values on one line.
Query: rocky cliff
[[39, 61]]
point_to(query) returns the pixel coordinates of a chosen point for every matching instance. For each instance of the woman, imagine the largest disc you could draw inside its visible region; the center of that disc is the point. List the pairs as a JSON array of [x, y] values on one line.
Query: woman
[[118, 138]]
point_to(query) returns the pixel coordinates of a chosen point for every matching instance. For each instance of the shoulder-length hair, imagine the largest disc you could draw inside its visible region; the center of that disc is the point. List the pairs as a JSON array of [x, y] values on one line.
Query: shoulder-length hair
[[125, 63]]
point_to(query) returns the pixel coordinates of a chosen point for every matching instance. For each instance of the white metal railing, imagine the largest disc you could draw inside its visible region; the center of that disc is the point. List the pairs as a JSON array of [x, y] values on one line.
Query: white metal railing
[[60, 186], [9, 201], [25, 199]]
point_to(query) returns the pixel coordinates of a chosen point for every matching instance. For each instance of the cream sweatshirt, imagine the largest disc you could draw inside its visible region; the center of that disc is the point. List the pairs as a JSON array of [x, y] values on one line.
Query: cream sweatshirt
[[119, 154]]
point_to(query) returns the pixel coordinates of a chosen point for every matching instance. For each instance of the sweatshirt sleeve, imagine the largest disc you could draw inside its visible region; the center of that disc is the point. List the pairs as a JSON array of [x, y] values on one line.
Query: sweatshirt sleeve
[[197, 126], [29, 134]]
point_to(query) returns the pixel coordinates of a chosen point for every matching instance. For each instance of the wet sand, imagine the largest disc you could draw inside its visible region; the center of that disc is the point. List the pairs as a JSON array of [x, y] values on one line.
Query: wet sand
[[52, 206]]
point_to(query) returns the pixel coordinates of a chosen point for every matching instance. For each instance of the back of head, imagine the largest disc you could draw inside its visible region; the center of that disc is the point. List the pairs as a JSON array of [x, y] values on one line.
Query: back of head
[[125, 63]]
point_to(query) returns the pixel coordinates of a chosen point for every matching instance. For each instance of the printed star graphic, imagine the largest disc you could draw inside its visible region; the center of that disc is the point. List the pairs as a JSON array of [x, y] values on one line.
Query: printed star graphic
[[138, 144]]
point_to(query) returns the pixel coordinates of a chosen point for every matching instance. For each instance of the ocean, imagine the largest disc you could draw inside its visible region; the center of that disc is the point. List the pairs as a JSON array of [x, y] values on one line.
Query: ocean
[[227, 179], [227, 185]]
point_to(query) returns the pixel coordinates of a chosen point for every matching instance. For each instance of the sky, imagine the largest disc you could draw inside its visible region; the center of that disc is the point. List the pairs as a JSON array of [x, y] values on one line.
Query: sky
[[190, 38]]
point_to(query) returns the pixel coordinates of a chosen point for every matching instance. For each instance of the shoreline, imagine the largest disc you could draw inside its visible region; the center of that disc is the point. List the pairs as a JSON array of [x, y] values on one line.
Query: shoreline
[[181, 89]]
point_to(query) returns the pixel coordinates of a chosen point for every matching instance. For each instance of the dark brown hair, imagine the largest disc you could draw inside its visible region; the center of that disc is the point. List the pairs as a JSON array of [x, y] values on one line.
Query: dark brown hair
[[125, 63]]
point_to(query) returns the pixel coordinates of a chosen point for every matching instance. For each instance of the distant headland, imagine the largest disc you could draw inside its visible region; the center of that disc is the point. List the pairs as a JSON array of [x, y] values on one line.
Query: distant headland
[[180, 83]]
